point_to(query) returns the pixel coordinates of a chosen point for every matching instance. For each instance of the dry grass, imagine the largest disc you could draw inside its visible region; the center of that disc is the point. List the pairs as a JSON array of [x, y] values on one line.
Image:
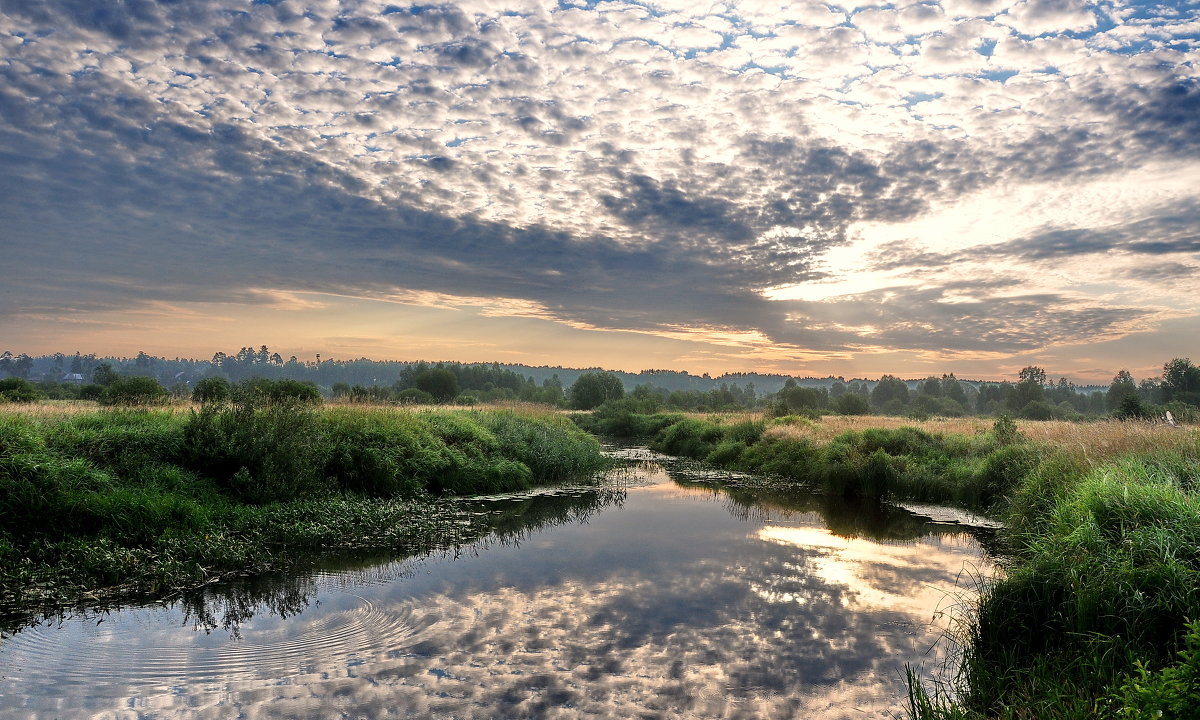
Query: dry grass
[[1091, 443], [830, 426], [50, 408]]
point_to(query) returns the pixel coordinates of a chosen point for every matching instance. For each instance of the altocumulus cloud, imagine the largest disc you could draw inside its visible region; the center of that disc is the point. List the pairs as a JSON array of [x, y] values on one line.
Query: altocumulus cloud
[[675, 166]]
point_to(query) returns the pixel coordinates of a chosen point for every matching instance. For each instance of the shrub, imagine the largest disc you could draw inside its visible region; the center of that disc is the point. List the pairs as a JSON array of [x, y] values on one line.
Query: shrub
[[1002, 472], [1004, 431], [257, 453], [133, 391], [1171, 692], [851, 404], [688, 437], [414, 396], [212, 390], [440, 383], [15, 389]]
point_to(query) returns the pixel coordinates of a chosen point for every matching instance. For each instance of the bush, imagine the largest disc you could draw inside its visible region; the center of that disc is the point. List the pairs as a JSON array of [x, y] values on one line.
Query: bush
[[1171, 692], [212, 390], [134, 391], [15, 389], [851, 404], [257, 453], [1002, 472], [414, 396], [689, 438], [439, 383], [1004, 431]]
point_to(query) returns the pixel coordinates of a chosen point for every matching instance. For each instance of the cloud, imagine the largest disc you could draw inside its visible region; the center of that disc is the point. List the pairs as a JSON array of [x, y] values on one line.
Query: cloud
[[654, 168]]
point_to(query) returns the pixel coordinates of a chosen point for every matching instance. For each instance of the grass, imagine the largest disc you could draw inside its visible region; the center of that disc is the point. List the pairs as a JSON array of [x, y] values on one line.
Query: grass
[[848, 458], [1097, 611], [112, 503]]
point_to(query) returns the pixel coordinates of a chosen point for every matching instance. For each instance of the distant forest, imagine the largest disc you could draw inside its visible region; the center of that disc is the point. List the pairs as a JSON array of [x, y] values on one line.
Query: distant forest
[[1031, 394]]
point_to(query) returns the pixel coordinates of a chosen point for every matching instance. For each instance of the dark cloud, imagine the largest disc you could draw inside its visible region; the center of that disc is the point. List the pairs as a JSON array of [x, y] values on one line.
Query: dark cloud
[[955, 317], [233, 147]]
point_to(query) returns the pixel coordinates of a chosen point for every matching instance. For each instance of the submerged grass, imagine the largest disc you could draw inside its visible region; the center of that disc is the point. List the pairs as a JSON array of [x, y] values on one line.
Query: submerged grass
[[113, 503]]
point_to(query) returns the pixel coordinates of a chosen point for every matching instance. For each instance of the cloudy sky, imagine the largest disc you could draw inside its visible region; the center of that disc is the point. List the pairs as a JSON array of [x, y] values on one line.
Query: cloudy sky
[[806, 187]]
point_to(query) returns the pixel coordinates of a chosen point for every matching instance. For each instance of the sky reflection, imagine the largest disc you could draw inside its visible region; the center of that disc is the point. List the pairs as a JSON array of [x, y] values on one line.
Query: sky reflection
[[662, 605]]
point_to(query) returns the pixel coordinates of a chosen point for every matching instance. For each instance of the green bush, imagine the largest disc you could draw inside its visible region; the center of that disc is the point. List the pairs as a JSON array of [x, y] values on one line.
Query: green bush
[[134, 391], [212, 390], [414, 396], [15, 389], [851, 404], [259, 454], [689, 438], [1170, 692], [1002, 472]]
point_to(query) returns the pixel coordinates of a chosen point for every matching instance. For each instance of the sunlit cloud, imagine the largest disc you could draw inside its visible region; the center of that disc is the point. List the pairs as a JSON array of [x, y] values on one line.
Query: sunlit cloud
[[658, 168]]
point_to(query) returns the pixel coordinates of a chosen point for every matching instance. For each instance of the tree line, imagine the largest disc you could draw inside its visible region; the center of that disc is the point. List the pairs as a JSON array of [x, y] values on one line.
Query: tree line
[[1033, 395]]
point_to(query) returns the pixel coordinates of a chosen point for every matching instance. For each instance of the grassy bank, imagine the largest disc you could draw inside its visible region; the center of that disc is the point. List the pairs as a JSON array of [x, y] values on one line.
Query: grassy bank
[[974, 471], [1095, 615], [1096, 612], [104, 504]]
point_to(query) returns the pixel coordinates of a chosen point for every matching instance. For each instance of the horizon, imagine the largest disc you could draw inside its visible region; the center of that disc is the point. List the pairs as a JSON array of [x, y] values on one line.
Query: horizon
[[313, 358], [807, 189]]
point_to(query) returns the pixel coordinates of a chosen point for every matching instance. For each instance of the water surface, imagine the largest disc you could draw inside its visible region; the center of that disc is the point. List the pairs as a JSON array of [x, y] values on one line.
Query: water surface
[[642, 598]]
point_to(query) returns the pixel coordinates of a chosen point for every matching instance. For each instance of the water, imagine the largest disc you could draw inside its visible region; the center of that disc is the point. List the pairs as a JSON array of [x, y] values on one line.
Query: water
[[644, 598]]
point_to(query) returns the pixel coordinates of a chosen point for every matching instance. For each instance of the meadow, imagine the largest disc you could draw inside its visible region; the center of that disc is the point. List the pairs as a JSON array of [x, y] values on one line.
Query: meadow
[[97, 505], [1096, 609]]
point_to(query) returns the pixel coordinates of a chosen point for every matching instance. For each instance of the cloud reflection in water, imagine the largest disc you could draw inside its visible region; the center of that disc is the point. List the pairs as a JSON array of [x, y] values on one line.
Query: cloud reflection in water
[[666, 606]]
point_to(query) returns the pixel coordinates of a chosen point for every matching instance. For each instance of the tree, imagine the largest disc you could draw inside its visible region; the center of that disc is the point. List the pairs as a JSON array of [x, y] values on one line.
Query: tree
[[1032, 374], [796, 399], [851, 404], [1122, 386], [1131, 408], [104, 375], [954, 390], [21, 365], [439, 383], [1030, 388], [890, 391], [594, 388], [15, 389], [1181, 381]]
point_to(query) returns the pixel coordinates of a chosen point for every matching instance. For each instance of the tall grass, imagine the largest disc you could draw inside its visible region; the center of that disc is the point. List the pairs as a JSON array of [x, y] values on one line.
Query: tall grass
[[977, 471], [1093, 616], [151, 499]]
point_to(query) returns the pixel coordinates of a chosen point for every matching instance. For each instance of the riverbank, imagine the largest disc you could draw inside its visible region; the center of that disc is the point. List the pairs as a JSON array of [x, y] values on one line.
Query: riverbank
[[98, 506], [1094, 613]]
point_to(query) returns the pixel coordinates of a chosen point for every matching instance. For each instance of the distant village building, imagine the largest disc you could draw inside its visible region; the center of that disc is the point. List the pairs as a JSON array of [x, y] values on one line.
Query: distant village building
[[73, 378]]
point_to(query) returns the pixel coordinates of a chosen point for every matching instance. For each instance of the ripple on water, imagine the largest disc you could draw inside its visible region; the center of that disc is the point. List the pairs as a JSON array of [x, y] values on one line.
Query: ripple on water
[[140, 648]]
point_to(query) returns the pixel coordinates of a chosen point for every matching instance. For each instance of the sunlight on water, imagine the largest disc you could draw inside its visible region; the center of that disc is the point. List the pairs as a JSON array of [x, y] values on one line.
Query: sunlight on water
[[649, 599]]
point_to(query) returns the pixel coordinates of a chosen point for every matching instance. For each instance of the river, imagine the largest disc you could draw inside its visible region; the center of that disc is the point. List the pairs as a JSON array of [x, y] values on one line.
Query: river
[[654, 594]]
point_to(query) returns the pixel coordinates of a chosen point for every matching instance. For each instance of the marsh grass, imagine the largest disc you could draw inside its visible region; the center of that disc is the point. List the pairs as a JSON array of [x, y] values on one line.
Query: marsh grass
[[106, 503], [1093, 615]]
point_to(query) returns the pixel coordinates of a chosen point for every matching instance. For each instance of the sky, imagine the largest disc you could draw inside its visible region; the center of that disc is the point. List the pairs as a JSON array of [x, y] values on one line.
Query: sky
[[811, 188]]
